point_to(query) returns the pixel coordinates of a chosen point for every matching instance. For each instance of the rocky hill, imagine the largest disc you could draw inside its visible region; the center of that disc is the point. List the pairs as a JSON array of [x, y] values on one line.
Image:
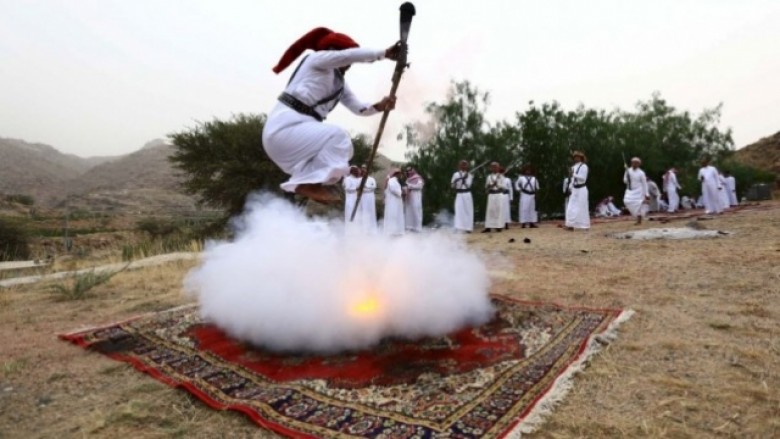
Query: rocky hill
[[763, 154], [147, 168], [143, 178], [39, 170]]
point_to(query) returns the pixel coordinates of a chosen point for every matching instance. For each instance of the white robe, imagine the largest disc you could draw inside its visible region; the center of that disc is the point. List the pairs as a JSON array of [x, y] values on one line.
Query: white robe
[[495, 217], [527, 186], [636, 191], [655, 196], [710, 189], [308, 150], [367, 208], [350, 185], [464, 203], [723, 194], [731, 186], [413, 205], [508, 197], [394, 209], [577, 209], [671, 186]]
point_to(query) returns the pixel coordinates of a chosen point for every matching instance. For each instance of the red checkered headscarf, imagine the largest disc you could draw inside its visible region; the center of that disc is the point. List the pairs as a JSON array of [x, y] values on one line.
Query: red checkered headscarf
[[320, 38]]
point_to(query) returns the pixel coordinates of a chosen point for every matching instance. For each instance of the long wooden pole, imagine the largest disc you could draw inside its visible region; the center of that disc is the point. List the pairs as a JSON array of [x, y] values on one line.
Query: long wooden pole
[[407, 12]]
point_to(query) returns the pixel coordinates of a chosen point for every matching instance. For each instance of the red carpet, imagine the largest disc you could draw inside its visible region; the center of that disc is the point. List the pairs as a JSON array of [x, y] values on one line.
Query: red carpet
[[488, 381]]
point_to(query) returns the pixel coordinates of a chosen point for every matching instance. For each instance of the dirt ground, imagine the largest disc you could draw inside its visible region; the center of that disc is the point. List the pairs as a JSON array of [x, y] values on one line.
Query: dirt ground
[[701, 358]]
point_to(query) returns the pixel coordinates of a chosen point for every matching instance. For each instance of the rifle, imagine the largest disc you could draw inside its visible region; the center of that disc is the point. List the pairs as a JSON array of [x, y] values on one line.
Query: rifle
[[407, 12]]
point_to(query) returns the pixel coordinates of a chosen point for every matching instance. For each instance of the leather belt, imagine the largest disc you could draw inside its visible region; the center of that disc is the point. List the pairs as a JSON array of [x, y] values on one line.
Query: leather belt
[[296, 104]]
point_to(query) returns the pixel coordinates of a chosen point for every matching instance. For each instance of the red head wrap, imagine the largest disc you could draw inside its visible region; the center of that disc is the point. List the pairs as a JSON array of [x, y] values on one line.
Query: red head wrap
[[320, 38]]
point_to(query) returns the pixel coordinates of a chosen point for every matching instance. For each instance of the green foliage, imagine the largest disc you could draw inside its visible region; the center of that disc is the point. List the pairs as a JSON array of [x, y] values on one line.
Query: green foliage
[[362, 151], [224, 161], [456, 130], [545, 135], [83, 283], [14, 243], [22, 199]]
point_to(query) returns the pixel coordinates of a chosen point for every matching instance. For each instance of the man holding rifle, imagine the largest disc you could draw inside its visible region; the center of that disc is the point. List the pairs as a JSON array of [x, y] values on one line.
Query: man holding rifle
[[461, 183], [316, 154]]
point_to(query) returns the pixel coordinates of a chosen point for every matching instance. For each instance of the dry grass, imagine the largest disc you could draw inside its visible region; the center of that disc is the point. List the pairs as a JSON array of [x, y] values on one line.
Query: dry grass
[[700, 359]]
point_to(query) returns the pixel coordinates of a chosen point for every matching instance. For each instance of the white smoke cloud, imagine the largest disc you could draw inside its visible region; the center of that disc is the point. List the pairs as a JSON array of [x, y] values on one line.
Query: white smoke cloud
[[290, 283]]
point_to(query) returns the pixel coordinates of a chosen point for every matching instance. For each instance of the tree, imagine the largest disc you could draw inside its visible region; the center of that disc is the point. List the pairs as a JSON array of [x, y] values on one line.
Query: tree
[[455, 130]]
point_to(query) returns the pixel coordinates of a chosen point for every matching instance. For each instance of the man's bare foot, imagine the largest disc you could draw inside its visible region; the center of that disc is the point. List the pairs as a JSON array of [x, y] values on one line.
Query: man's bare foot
[[318, 193]]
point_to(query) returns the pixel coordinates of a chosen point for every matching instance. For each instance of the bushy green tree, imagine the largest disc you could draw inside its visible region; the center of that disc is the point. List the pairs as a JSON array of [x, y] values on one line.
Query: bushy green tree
[[455, 130]]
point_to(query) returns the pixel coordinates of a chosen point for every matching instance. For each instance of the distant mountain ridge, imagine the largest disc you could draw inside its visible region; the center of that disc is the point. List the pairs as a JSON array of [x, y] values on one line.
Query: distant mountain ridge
[[50, 176]]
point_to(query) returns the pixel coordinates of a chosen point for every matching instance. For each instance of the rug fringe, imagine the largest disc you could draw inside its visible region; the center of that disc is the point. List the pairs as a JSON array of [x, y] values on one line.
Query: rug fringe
[[563, 384]]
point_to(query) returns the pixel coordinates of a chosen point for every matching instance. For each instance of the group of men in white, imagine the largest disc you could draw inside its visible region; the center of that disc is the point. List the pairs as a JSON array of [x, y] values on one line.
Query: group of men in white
[[403, 198], [403, 202], [719, 192], [501, 192]]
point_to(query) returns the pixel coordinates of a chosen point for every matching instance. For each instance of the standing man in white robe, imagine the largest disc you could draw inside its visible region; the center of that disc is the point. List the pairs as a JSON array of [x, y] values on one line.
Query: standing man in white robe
[[655, 196], [413, 205], [671, 186], [637, 195], [351, 183], [495, 217], [526, 186], [731, 187], [367, 208], [710, 188], [508, 197], [577, 209], [394, 205], [313, 153], [464, 203], [724, 193]]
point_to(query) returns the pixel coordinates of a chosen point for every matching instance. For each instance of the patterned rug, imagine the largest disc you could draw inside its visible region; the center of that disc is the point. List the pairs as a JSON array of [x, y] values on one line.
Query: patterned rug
[[492, 381]]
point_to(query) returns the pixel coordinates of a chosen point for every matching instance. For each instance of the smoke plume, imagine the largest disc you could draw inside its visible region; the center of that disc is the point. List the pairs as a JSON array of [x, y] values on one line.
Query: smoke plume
[[290, 283]]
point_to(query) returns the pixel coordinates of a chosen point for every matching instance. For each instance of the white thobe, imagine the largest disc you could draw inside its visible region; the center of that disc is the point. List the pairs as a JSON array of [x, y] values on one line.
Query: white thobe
[[612, 209], [577, 209], [308, 150], [367, 208], [413, 204], [731, 186], [495, 217], [723, 194], [527, 186], [655, 195], [710, 189], [394, 208], [351, 185], [636, 191], [464, 203], [508, 197], [671, 186]]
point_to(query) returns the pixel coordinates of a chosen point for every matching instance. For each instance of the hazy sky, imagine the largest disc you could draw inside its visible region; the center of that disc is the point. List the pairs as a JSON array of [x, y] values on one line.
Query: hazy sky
[[102, 77]]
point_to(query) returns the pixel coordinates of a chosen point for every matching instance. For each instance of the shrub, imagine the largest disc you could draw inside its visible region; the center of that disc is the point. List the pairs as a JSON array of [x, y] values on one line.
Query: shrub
[[13, 242]]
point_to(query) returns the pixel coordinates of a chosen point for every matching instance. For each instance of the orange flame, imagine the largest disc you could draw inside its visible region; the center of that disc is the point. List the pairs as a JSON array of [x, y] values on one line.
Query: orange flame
[[367, 307]]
